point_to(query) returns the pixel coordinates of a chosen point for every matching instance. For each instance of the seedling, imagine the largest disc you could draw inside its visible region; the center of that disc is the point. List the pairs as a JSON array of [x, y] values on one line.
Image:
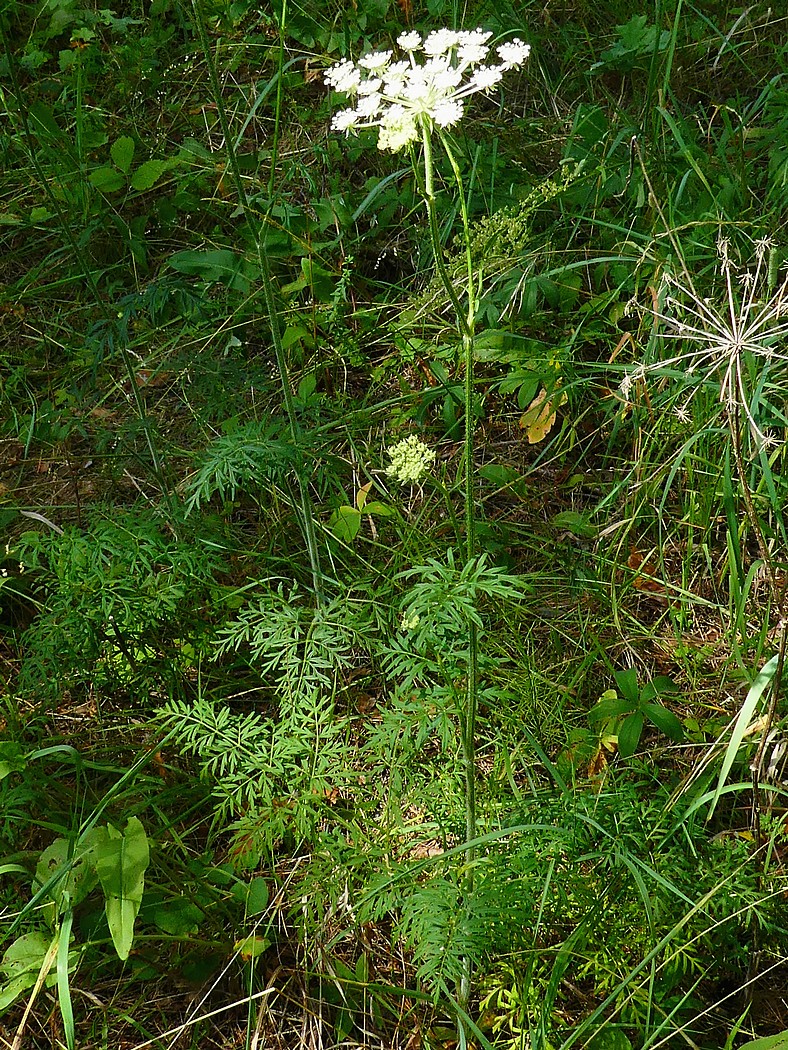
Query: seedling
[[624, 711]]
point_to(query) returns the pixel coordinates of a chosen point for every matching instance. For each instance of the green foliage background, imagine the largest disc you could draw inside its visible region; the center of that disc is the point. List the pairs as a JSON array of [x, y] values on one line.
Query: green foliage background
[[233, 649]]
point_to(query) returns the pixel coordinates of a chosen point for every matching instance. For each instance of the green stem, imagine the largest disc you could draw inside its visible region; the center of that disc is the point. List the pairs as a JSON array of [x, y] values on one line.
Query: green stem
[[467, 354], [279, 96], [466, 322], [307, 517]]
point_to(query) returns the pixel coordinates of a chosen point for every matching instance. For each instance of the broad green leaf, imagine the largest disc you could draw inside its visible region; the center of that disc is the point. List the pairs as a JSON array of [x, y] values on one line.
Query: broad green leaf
[[13, 758], [252, 946], [768, 1042], [12, 989], [659, 686], [345, 523], [382, 510], [609, 1038], [527, 388], [627, 682], [178, 917], [629, 735], [43, 123], [307, 387], [322, 282], [575, 522], [107, 179], [257, 897], [122, 153], [121, 862], [22, 964], [295, 334], [148, 174], [78, 868], [609, 707], [664, 720], [218, 264], [26, 954], [498, 474]]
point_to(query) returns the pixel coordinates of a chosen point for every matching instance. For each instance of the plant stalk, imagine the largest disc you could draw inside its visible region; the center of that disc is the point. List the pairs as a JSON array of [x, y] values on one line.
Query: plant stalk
[[466, 322]]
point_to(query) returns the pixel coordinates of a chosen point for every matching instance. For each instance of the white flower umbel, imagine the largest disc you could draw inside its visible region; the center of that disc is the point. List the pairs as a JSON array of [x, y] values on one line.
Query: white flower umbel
[[424, 89], [410, 460]]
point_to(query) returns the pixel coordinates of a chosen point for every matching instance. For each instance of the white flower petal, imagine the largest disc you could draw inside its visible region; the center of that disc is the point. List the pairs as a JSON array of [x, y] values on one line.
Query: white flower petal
[[345, 120], [370, 105], [440, 41], [375, 60], [409, 41], [344, 77], [513, 53], [486, 77], [370, 86], [448, 113]]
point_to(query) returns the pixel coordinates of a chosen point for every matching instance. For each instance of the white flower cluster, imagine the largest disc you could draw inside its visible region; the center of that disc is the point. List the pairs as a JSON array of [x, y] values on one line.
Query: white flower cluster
[[426, 88], [410, 460]]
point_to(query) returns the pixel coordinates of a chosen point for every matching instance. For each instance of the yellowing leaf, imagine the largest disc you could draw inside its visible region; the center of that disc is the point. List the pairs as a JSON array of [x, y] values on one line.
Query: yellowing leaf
[[250, 947], [361, 495], [538, 419]]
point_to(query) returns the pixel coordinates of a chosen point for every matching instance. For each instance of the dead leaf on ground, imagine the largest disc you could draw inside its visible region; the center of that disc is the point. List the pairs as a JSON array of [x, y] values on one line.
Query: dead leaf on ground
[[538, 419]]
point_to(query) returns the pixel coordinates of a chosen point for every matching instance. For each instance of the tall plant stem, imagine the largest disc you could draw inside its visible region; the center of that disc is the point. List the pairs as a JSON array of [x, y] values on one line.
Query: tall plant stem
[[305, 509], [279, 95], [466, 323]]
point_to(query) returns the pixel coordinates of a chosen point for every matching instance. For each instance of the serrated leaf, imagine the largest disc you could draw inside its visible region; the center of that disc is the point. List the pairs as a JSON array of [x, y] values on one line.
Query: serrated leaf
[[148, 174], [122, 153]]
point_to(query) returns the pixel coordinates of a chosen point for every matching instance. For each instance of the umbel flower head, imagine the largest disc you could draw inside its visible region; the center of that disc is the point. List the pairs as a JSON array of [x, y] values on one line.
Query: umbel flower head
[[425, 87], [737, 344], [410, 460]]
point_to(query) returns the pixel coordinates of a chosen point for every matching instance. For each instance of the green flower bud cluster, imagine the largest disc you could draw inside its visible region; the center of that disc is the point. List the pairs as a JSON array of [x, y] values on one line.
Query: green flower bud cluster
[[410, 460]]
